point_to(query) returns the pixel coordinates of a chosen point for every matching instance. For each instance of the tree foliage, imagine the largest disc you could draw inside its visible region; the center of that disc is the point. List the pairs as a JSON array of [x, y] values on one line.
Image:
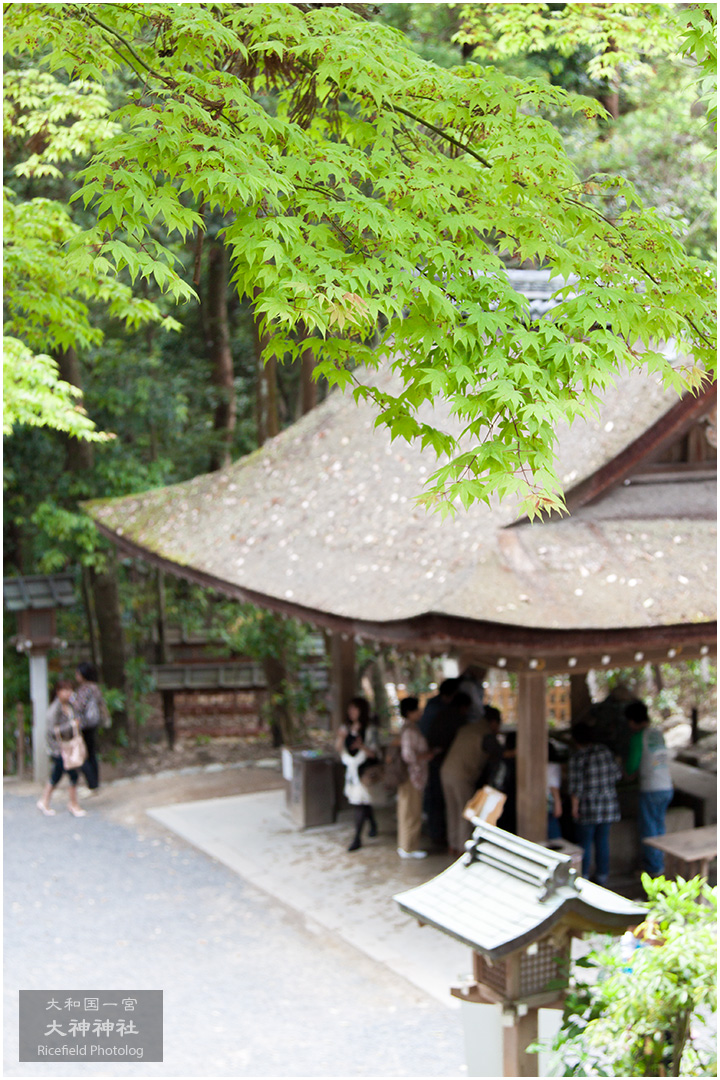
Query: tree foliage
[[617, 36], [53, 122], [621, 44], [664, 149], [364, 186], [36, 396], [647, 1014], [47, 305]]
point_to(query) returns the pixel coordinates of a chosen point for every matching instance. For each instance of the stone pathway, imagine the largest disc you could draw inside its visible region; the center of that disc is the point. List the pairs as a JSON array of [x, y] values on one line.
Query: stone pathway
[[251, 987]]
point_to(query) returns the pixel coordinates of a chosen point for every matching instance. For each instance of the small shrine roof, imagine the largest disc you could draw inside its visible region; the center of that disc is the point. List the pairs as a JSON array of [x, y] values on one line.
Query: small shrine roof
[[507, 892], [40, 591]]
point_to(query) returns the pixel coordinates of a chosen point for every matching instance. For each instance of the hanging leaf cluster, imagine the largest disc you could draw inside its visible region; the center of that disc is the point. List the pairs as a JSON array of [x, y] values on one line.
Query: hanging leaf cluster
[[48, 303], [370, 195]]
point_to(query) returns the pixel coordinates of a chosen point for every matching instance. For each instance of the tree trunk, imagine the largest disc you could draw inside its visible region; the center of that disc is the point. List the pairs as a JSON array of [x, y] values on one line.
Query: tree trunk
[[168, 700], [680, 1036], [218, 345], [664, 711], [150, 332], [100, 596], [266, 400], [308, 397], [282, 727], [308, 386], [110, 631], [609, 98], [343, 677], [163, 653], [382, 705], [90, 616], [580, 699], [78, 452]]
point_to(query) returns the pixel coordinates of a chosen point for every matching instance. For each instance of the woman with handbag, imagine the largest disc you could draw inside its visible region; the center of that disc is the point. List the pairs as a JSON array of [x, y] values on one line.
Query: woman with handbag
[[67, 748]]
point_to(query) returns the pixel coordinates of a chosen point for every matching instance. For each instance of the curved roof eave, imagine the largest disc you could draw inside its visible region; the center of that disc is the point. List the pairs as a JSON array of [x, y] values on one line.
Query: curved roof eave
[[504, 645]]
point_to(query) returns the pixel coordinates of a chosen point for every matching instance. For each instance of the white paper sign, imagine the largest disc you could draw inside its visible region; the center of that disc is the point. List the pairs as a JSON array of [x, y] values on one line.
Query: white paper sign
[[287, 764]]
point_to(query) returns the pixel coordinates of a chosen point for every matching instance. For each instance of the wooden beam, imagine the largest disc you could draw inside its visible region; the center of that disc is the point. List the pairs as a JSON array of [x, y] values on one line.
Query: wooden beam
[[532, 757], [343, 684], [675, 423]]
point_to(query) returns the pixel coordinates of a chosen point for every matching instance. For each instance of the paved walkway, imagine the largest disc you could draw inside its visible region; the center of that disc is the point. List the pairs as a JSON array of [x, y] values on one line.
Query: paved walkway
[[348, 893], [271, 964]]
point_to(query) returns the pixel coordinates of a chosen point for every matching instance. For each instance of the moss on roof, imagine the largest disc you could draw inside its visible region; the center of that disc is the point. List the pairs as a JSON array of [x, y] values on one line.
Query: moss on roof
[[323, 516]]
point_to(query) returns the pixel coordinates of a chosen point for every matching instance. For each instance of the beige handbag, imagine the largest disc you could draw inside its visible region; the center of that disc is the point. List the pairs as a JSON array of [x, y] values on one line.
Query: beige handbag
[[486, 805], [73, 751]]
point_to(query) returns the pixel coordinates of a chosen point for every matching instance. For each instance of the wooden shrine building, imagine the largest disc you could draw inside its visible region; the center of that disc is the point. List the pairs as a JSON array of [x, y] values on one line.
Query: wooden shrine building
[[321, 524]]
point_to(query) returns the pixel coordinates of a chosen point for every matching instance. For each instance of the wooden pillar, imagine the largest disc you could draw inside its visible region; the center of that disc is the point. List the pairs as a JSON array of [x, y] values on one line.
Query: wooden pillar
[[343, 683], [532, 757], [163, 653], [20, 739], [39, 697], [580, 700], [168, 700], [518, 1033]]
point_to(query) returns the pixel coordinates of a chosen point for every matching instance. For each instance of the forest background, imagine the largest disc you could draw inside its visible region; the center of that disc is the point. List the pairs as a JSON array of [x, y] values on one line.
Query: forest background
[[186, 388]]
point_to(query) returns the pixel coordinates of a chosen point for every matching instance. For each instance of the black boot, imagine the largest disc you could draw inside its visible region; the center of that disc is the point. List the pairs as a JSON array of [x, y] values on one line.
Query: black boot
[[361, 813]]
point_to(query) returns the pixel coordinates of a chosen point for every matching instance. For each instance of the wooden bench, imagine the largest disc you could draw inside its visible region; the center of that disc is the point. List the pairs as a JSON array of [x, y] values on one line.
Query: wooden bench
[[687, 853], [697, 789]]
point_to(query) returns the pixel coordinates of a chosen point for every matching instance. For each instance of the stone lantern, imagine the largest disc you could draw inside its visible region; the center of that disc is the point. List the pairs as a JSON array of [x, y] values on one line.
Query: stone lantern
[[35, 601], [517, 905]]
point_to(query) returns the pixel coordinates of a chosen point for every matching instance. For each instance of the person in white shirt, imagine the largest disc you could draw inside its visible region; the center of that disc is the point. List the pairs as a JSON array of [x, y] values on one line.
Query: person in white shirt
[[649, 758]]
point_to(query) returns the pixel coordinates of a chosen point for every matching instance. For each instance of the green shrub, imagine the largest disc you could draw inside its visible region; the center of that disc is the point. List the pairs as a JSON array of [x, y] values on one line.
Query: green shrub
[[648, 1014]]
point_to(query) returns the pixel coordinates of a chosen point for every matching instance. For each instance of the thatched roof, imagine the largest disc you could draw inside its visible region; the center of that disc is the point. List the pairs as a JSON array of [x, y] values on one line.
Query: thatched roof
[[321, 523]]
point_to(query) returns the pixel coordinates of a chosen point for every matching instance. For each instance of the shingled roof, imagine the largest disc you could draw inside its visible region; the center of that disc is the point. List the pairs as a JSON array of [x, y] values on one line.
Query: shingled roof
[[39, 592], [321, 523], [506, 892]]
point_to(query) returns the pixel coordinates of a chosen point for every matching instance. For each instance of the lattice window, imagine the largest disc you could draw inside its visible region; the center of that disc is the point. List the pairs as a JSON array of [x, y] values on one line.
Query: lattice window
[[539, 967], [492, 975], [37, 626]]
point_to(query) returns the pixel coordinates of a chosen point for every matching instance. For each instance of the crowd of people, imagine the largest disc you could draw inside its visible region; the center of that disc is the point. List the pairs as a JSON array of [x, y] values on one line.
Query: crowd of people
[[442, 750], [632, 749], [456, 746], [75, 714], [445, 753]]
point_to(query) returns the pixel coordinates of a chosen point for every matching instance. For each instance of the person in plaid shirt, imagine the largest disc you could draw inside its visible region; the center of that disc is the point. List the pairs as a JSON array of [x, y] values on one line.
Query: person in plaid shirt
[[592, 775]]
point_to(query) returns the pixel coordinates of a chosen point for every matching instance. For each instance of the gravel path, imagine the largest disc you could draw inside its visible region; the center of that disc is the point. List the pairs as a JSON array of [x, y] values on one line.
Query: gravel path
[[249, 989]]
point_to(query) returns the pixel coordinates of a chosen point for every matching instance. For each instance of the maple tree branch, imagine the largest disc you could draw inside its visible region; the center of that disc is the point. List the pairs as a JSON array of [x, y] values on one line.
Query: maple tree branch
[[443, 134], [199, 239], [121, 39], [219, 111]]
